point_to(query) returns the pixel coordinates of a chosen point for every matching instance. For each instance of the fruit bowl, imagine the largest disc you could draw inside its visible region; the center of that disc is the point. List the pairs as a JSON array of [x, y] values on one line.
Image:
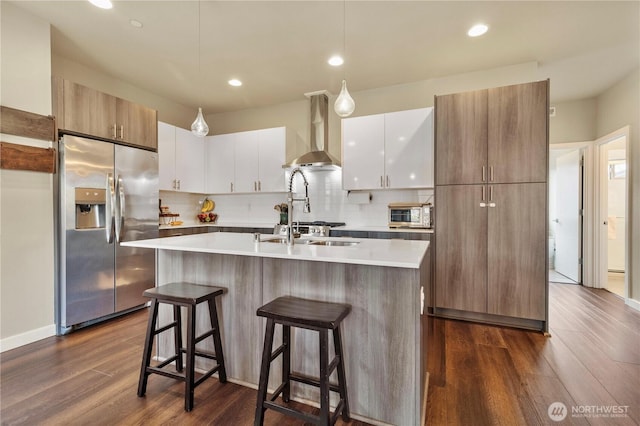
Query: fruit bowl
[[207, 217]]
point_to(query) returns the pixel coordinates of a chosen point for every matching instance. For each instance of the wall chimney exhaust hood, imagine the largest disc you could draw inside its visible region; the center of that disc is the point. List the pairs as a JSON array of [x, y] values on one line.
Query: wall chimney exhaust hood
[[318, 156]]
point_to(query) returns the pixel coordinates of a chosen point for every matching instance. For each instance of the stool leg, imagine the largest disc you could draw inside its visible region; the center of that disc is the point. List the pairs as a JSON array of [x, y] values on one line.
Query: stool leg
[[324, 377], [148, 344], [264, 372], [217, 342], [177, 336], [286, 362], [190, 367], [342, 381]]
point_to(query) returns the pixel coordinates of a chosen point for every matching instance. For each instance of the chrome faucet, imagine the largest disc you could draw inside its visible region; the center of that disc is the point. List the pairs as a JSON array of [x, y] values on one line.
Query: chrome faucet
[[290, 200]]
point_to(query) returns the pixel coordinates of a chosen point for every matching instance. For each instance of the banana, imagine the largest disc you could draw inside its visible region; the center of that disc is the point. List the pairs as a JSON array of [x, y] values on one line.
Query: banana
[[207, 205]]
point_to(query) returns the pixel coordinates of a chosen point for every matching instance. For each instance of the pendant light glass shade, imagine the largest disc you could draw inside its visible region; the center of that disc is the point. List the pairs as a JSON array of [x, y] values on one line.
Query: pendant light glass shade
[[345, 104], [199, 127]]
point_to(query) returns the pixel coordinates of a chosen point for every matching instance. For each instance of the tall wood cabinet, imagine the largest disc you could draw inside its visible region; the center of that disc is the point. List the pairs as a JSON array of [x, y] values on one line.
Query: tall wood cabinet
[[85, 111], [491, 203]]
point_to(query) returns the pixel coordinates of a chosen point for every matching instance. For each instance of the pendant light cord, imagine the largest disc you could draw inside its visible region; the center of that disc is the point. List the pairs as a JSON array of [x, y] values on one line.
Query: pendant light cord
[[199, 46], [344, 37]]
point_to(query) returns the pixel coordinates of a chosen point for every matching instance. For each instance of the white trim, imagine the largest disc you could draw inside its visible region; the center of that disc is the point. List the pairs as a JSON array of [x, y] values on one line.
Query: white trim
[[632, 303], [599, 264], [30, 336]]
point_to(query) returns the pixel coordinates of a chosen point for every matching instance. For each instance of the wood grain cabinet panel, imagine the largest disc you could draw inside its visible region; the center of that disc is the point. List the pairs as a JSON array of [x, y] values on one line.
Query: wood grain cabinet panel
[[461, 257], [517, 250], [461, 138], [517, 133], [88, 112]]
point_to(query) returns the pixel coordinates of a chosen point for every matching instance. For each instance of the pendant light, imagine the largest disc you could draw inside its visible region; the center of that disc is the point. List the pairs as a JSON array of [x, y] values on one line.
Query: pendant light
[[344, 105], [199, 126]]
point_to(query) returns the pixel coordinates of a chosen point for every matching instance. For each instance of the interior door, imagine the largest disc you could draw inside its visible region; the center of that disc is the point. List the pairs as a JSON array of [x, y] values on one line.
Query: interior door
[[567, 221]]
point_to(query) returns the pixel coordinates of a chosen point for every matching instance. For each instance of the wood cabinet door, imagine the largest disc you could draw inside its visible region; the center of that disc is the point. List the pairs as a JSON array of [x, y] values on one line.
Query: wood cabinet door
[[137, 124], [518, 133], [88, 111], [517, 259], [461, 138], [220, 163], [363, 152], [190, 161], [166, 156], [271, 150], [461, 257], [408, 148], [246, 162]]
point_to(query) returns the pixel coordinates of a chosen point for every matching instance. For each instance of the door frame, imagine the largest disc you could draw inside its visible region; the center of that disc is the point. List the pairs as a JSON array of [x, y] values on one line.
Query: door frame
[[600, 240]]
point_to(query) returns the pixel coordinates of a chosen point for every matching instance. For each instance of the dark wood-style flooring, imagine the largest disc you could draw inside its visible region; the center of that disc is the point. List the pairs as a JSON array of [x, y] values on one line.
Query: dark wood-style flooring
[[480, 375]]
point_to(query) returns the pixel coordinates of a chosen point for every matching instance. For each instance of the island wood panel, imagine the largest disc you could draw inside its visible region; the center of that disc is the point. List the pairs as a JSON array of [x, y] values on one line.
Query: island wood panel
[[381, 335], [518, 132], [461, 138], [241, 329], [461, 258], [517, 243]]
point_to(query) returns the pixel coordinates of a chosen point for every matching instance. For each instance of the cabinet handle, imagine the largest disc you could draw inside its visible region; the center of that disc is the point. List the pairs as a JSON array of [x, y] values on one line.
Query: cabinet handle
[[491, 193], [482, 203], [231, 186], [388, 181], [490, 173], [381, 182], [483, 192], [115, 131], [175, 184], [179, 184], [255, 186], [259, 186], [121, 131], [484, 177]]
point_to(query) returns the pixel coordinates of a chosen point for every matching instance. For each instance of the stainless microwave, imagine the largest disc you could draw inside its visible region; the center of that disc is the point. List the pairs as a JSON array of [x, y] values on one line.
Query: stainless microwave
[[410, 215]]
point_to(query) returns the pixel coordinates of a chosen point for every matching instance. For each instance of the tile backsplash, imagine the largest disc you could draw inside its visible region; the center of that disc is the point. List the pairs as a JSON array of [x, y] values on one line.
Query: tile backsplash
[[329, 202]]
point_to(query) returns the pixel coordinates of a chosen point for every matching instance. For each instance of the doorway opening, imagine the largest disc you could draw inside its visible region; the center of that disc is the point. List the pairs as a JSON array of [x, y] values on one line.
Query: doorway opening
[[566, 182], [612, 208]]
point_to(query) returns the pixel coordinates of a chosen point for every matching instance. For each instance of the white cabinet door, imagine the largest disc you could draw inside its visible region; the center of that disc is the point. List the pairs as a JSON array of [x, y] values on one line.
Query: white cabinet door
[[363, 152], [166, 156], [246, 162], [408, 137], [220, 163], [271, 149], [189, 161]]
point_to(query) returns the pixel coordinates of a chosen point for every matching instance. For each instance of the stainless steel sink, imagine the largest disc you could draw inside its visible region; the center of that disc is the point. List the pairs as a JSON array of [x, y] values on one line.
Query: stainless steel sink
[[333, 243]]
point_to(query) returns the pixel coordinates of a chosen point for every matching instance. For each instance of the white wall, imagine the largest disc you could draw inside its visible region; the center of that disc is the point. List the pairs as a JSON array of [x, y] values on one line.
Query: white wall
[[26, 198], [575, 121], [618, 107]]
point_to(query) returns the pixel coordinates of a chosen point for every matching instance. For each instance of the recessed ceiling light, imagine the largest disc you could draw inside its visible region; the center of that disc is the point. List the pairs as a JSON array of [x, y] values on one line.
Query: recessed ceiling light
[[102, 4], [477, 30], [235, 82], [135, 23], [335, 61]]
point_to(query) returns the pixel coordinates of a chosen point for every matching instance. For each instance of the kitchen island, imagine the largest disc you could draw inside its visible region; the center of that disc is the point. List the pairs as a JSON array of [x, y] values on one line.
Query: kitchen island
[[383, 280]]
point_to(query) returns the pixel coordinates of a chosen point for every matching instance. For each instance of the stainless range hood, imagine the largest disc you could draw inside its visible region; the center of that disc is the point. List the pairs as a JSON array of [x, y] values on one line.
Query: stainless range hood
[[318, 156]]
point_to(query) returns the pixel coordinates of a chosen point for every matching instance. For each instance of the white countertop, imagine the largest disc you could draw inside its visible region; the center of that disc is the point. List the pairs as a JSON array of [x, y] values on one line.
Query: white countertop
[[271, 225], [381, 229], [393, 253]]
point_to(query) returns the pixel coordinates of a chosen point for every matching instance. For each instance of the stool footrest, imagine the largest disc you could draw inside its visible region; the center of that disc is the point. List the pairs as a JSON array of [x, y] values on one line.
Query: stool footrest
[[159, 370], [206, 375], [205, 335], [166, 361], [311, 381], [309, 418], [165, 328], [277, 392], [201, 353], [337, 412], [277, 352]]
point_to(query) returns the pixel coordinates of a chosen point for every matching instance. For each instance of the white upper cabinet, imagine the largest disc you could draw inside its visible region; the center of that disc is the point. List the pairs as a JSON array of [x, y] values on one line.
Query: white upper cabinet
[[388, 151], [363, 152], [247, 162], [181, 159], [189, 161]]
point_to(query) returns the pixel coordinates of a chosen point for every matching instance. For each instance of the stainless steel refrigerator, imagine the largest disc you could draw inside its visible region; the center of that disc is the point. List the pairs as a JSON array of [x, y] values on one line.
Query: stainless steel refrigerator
[[107, 194]]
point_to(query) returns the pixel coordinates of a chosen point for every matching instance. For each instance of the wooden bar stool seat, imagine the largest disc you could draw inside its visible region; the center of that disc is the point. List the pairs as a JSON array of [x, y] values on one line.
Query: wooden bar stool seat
[[313, 315], [189, 295]]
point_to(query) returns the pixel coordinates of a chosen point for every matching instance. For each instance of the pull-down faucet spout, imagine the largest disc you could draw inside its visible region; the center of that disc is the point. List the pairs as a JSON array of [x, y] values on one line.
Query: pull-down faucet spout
[[306, 208]]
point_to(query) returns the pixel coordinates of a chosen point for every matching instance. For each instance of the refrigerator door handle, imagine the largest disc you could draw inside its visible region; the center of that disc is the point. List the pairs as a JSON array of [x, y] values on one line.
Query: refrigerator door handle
[[110, 208], [120, 211]]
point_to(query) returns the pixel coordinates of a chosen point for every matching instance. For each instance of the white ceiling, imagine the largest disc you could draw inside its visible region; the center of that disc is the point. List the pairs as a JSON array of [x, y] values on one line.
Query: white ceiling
[[279, 49]]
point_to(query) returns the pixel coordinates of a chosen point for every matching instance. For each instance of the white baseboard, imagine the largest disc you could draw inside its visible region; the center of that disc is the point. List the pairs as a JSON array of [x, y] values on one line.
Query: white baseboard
[[633, 303], [30, 336]]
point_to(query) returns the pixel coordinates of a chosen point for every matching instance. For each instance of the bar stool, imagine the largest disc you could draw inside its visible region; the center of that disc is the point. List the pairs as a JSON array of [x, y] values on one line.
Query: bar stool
[[188, 295], [313, 315]]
